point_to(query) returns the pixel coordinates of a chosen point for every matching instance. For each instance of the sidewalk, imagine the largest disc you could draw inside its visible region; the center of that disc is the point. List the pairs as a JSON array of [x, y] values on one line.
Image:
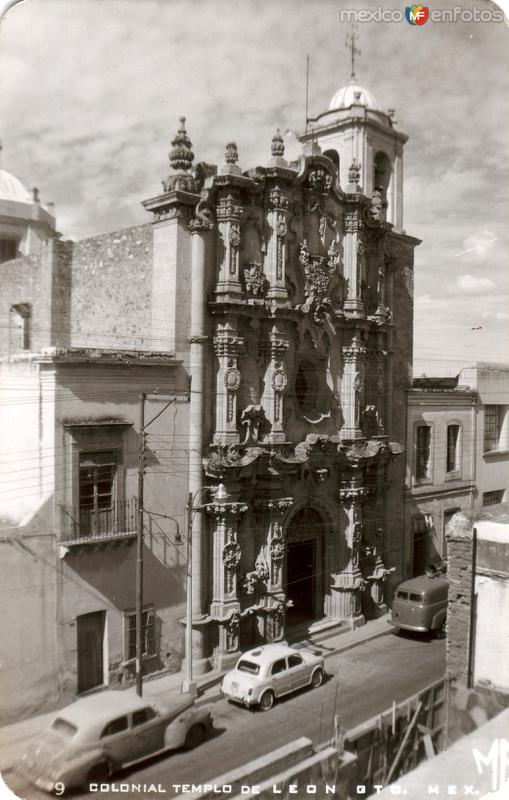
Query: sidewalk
[[14, 737]]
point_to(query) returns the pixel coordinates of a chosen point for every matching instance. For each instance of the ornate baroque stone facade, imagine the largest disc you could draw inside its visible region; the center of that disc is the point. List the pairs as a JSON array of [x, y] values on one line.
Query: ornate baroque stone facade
[[307, 285]]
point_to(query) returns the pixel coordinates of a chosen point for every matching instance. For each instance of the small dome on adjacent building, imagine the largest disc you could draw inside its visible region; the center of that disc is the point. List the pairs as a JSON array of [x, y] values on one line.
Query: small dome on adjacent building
[[11, 188], [353, 94]]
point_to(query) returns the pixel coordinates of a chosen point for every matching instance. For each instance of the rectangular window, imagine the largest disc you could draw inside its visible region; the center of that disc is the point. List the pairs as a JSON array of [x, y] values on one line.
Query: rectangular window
[[492, 498], [423, 453], [147, 633], [8, 249], [491, 427], [453, 439], [97, 473]]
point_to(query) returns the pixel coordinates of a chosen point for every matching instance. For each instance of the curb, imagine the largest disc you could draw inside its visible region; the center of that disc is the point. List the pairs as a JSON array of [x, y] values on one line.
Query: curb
[[206, 683], [340, 649]]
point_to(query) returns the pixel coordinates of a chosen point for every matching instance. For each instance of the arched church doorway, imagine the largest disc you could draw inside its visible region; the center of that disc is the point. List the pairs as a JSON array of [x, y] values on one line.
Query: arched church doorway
[[304, 567]]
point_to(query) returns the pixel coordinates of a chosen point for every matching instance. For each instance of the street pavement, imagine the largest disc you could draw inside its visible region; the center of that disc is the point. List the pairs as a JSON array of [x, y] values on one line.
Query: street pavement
[[361, 683]]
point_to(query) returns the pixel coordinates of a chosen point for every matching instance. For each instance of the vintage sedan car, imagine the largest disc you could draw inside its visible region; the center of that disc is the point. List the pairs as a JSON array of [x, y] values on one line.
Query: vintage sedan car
[[95, 736], [265, 673]]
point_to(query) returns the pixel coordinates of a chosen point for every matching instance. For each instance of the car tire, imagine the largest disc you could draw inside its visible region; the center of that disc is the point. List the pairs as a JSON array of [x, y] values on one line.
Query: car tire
[[317, 678], [99, 773], [440, 632], [266, 700], [195, 736]]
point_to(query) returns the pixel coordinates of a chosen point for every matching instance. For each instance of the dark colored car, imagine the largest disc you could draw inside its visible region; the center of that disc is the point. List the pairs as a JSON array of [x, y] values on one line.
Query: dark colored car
[[420, 604]]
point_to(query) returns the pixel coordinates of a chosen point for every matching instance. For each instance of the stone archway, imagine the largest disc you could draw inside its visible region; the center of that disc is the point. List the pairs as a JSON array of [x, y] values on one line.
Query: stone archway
[[304, 572]]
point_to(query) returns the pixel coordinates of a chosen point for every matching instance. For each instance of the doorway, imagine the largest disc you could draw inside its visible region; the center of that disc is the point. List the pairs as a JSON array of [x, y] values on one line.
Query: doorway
[[90, 631], [300, 581]]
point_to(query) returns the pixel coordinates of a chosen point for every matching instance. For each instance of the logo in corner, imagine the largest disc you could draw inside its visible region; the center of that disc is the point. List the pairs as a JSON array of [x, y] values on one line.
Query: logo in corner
[[416, 15]]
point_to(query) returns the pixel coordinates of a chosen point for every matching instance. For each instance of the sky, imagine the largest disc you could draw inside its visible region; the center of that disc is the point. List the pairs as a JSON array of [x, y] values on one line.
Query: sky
[[91, 92]]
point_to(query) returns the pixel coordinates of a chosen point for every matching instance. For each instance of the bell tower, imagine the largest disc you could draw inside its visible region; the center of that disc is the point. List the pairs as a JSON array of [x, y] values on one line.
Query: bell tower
[[355, 130]]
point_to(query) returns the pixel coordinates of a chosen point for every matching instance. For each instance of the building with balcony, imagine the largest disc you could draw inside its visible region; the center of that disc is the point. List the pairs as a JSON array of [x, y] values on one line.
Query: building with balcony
[[267, 315], [457, 454]]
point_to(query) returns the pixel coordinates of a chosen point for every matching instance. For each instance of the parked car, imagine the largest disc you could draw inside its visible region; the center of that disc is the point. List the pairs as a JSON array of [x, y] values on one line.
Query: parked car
[[420, 604], [95, 736], [266, 673]]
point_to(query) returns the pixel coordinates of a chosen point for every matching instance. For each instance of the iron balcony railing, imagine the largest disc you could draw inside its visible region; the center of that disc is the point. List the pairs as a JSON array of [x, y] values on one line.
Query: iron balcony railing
[[79, 524]]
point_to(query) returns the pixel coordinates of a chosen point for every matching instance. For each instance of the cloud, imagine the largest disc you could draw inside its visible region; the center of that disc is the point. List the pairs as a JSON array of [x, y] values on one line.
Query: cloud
[[469, 284]]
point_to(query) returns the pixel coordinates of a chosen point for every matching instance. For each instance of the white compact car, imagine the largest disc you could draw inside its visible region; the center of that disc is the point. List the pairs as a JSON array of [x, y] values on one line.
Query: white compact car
[[265, 673]]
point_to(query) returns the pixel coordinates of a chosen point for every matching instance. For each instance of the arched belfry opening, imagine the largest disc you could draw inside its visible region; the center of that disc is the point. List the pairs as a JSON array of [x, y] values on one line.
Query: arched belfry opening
[[382, 174], [334, 157], [304, 574]]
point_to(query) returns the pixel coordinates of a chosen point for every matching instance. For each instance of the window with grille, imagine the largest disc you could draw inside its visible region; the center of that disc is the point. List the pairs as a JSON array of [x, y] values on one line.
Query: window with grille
[[423, 453], [491, 427], [148, 645], [492, 498], [453, 440], [97, 479], [97, 493]]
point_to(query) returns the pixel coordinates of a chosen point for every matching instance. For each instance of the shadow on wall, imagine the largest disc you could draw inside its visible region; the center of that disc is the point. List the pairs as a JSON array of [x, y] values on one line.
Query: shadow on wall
[[112, 574]]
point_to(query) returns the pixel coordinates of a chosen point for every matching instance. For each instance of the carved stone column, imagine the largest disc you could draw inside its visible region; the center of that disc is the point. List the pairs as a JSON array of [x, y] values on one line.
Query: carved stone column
[[350, 582], [199, 227], [275, 509], [275, 384], [354, 259], [229, 215], [226, 556], [353, 387], [276, 252], [381, 386], [228, 346]]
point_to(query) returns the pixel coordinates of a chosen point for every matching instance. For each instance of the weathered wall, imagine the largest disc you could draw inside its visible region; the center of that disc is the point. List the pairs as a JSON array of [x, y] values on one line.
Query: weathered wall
[[21, 283], [471, 702], [44, 282], [95, 579], [111, 286], [28, 651]]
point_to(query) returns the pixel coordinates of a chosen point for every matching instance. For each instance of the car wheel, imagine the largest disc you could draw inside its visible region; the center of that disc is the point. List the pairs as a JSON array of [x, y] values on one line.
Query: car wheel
[[441, 632], [195, 736], [98, 773], [317, 678], [267, 700]]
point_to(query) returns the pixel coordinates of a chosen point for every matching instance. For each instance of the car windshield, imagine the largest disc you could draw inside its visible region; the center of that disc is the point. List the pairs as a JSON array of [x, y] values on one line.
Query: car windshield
[[417, 597], [64, 727], [248, 666]]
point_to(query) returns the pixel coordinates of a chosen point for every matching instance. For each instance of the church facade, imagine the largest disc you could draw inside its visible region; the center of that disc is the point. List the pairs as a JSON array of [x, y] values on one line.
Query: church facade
[[300, 353], [272, 309]]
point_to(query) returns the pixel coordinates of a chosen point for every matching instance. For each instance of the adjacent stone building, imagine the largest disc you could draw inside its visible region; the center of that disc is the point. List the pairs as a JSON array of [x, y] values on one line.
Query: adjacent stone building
[[457, 450], [267, 314]]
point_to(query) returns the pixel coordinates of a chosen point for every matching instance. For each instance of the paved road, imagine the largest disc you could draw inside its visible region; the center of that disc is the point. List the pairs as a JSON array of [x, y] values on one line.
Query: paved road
[[363, 682]]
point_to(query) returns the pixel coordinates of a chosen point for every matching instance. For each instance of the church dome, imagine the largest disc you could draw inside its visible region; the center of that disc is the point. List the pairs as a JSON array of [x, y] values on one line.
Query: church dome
[[353, 94], [12, 189]]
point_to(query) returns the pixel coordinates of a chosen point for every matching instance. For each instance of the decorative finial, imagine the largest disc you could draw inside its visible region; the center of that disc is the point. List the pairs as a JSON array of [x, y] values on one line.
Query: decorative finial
[[354, 173], [350, 44], [277, 147], [35, 194], [181, 155], [231, 154]]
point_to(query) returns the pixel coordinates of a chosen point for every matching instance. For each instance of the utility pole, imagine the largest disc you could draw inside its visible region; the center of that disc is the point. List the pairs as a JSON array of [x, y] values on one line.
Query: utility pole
[[189, 686], [139, 552]]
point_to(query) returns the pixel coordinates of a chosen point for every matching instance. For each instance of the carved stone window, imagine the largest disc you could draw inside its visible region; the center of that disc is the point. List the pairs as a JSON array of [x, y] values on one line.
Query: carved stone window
[[306, 386]]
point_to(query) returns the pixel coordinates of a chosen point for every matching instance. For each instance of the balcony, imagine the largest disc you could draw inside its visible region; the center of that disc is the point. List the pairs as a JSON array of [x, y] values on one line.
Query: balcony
[[82, 526]]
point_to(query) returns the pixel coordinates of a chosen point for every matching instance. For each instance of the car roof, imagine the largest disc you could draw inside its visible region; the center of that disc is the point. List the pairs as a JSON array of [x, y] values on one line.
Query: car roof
[[269, 652], [423, 583], [97, 709]]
